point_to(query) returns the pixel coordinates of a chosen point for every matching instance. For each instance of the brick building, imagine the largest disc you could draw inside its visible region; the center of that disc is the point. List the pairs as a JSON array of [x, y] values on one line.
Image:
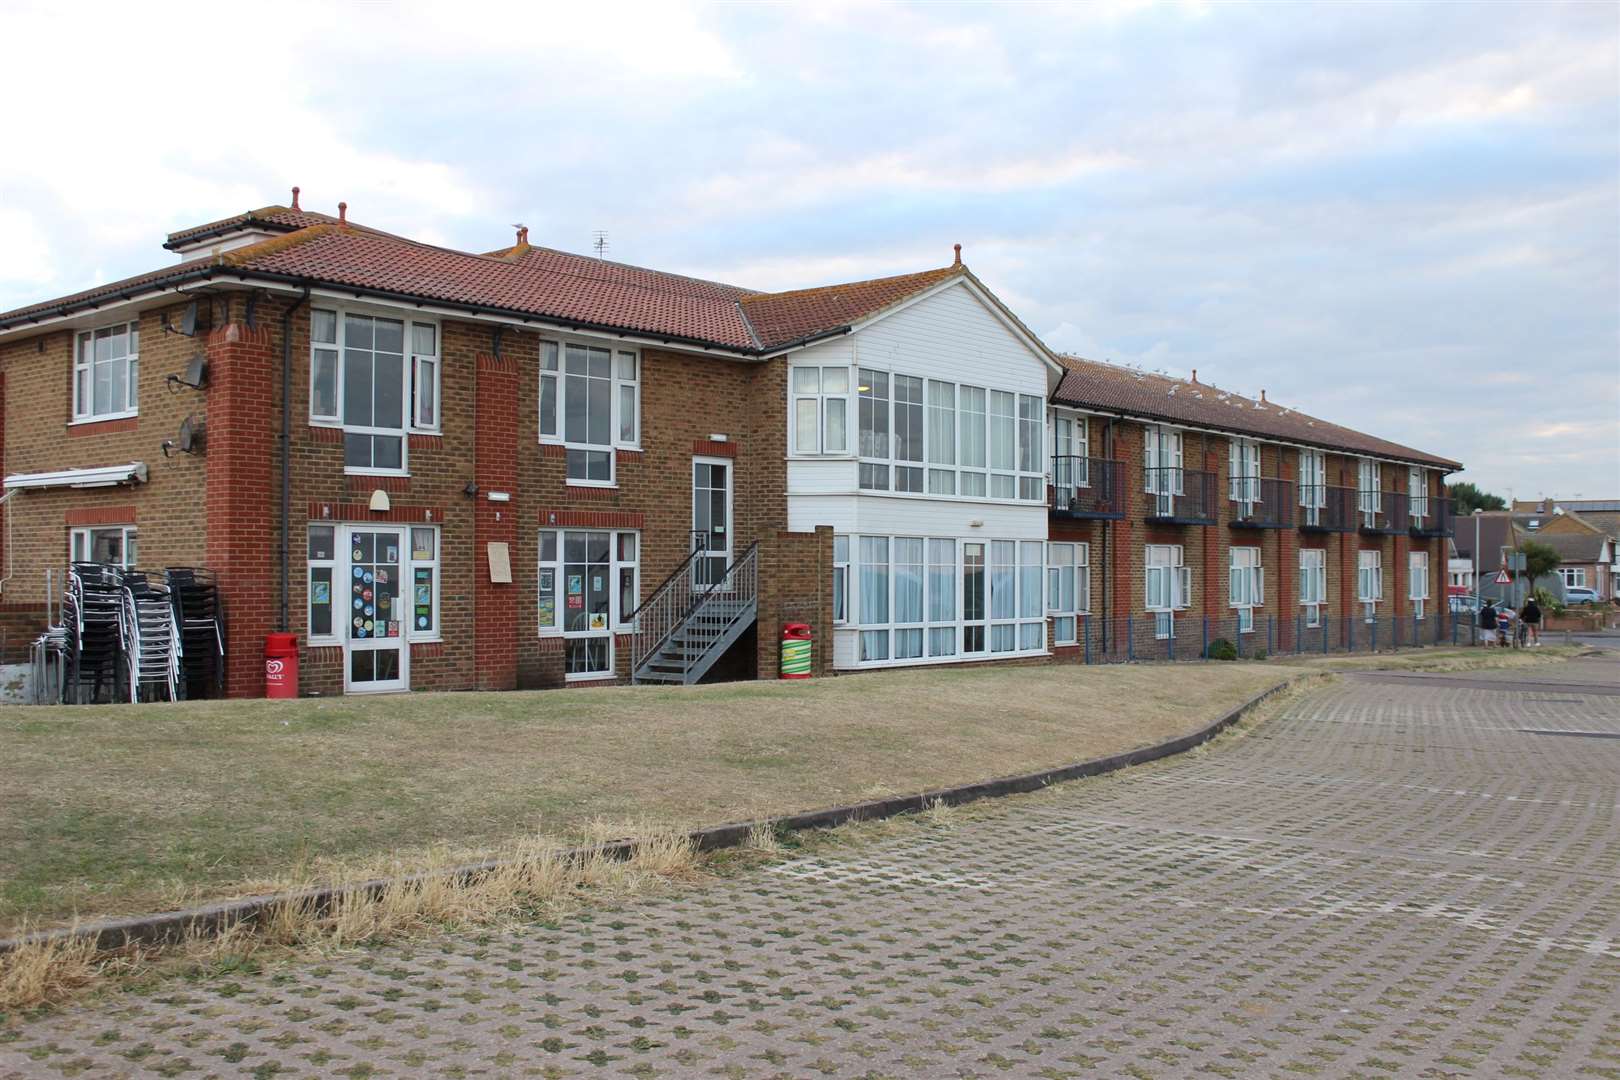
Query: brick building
[[448, 470]]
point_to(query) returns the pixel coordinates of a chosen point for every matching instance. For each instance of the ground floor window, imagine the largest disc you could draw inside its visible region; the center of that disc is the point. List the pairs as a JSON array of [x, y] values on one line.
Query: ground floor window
[[1068, 589], [1574, 577], [920, 598], [840, 579], [373, 582], [1245, 585], [1312, 584], [104, 544], [1369, 582], [1417, 572], [589, 584], [1168, 587]]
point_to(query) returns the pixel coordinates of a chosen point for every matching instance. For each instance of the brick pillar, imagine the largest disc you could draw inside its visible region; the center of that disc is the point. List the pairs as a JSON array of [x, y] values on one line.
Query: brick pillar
[[242, 496], [1400, 574], [1287, 561], [1214, 583], [495, 606]]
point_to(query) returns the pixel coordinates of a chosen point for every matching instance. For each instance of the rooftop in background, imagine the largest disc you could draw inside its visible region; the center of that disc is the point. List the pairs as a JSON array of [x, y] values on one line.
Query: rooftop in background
[[1144, 393]]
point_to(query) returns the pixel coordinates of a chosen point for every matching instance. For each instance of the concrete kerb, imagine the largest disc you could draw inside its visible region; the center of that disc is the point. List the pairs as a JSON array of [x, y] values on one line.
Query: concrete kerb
[[171, 927]]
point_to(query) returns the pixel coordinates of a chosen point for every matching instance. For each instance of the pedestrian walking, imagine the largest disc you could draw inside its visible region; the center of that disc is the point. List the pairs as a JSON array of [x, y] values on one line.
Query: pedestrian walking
[[1487, 623], [1530, 616]]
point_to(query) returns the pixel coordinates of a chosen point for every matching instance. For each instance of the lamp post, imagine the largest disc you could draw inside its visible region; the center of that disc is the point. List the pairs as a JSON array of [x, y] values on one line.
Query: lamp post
[[1478, 590]]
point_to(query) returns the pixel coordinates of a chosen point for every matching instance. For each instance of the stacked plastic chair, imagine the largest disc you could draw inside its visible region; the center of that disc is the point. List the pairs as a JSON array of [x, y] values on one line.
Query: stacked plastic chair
[[201, 620], [92, 613], [150, 639]]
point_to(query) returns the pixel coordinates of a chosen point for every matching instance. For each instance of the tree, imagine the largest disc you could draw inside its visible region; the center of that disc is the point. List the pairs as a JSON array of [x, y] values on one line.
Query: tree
[[1466, 498], [1539, 561]]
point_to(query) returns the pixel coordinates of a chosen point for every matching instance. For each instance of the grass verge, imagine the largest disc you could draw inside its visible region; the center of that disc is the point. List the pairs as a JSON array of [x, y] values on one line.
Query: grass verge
[[1443, 659]]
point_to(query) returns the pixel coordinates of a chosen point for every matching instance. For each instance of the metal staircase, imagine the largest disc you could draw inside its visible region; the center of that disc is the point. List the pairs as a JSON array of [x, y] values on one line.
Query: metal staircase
[[689, 622]]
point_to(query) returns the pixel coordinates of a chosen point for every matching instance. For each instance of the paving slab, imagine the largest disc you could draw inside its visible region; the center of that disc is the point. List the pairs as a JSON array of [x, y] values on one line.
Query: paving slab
[[1392, 878]]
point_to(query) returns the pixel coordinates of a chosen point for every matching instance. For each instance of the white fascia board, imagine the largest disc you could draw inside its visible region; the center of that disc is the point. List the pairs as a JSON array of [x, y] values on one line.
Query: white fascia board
[[103, 476], [984, 296]]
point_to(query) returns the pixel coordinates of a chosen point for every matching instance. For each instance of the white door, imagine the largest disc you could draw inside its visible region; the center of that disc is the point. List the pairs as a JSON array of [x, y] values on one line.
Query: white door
[[375, 655], [711, 517]]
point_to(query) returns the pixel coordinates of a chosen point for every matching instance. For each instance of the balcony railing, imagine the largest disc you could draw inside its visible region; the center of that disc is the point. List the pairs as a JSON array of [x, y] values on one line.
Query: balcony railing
[[1327, 509], [1381, 511], [1180, 496], [1431, 516], [1086, 487], [1259, 502]]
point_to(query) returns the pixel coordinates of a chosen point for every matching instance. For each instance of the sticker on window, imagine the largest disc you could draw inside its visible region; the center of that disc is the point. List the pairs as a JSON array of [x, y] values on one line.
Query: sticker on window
[[322, 592]]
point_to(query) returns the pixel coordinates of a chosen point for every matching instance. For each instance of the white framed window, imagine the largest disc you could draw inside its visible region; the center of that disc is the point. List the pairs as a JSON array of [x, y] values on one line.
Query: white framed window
[[106, 372], [424, 377], [588, 587], [1574, 577], [1312, 485], [590, 402], [917, 436], [1243, 471], [1313, 584], [1368, 493], [1417, 573], [840, 579], [820, 410], [115, 544], [1168, 586], [1164, 472], [376, 378], [1070, 467], [1369, 581], [919, 599], [1417, 492], [329, 561], [1068, 588], [1245, 585]]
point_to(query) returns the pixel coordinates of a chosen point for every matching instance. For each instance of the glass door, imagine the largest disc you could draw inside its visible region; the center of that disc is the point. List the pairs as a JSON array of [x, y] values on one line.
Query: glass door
[[711, 518], [973, 599], [586, 604], [374, 645]]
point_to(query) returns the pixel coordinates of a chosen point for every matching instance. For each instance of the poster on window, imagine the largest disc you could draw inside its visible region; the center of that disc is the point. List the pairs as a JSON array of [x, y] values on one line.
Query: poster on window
[[548, 599], [321, 592], [598, 621]]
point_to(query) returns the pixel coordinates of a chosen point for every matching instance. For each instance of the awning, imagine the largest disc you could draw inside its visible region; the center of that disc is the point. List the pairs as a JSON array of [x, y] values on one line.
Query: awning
[[104, 476]]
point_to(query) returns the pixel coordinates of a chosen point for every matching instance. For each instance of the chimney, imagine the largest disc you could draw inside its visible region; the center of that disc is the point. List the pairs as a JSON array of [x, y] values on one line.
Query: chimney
[[522, 235], [343, 213], [295, 197], [1195, 376], [958, 261], [1263, 398]]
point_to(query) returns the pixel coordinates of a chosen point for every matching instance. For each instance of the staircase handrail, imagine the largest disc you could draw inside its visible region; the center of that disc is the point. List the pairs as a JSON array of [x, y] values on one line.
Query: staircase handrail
[[658, 609]]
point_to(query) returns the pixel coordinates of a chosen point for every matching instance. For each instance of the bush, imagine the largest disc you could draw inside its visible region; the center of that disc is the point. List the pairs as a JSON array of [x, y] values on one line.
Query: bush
[[1258, 654], [1220, 649]]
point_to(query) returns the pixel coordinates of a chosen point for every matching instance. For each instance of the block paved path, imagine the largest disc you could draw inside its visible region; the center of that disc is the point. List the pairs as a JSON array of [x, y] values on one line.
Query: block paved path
[[1394, 877]]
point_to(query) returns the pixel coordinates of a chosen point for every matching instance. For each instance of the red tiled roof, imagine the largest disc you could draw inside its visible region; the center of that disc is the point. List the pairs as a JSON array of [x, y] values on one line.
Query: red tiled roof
[[780, 318], [273, 218], [1120, 389]]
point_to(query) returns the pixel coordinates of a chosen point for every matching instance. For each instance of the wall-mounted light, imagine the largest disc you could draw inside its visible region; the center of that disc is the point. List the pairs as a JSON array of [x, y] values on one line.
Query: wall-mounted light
[[499, 496], [379, 501]]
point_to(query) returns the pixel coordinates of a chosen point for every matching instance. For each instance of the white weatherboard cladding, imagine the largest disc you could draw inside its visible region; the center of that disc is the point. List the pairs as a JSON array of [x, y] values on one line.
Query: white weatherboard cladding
[[952, 336]]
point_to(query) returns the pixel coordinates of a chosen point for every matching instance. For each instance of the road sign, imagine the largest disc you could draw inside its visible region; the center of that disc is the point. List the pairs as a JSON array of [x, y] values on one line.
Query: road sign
[[1504, 578]]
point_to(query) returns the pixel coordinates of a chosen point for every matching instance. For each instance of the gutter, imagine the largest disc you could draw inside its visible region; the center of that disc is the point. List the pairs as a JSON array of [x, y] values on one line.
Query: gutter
[[286, 449]]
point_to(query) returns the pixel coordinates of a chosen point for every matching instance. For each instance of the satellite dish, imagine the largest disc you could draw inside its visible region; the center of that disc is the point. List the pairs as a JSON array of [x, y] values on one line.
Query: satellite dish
[[197, 372], [191, 436], [188, 321]]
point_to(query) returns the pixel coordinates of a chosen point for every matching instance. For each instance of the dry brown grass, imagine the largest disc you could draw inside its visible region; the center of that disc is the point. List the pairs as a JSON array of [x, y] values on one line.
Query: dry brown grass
[[116, 810], [1439, 660], [42, 973]]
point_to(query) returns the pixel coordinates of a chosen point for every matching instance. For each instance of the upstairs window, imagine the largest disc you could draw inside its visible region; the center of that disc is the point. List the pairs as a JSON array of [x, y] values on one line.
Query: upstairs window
[[376, 378], [1243, 471], [590, 402], [1312, 483], [1368, 497], [1417, 490], [106, 366], [821, 410]]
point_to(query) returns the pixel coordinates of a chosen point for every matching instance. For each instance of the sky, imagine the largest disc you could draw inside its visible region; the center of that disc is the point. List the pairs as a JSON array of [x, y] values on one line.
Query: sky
[[1404, 218]]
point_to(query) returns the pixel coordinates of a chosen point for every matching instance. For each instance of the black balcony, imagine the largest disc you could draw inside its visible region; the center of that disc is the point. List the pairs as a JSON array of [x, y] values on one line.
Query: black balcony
[[1432, 517], [1327, 509], [1381, 512], [1261, 503], [1086, 488], [1180, 496]]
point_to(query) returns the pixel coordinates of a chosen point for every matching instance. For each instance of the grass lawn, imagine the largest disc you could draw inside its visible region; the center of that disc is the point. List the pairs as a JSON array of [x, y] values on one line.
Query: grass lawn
[[127, 809], [1463, 658]]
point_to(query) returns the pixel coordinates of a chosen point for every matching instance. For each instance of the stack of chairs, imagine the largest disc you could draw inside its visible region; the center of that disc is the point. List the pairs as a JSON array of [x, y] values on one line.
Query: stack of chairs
[[150, 638], [92, 617], [201, 622]]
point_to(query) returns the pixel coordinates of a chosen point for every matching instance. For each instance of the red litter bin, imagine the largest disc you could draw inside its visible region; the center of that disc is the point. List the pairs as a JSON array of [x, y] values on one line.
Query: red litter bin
[[796, 646], [281, 665]]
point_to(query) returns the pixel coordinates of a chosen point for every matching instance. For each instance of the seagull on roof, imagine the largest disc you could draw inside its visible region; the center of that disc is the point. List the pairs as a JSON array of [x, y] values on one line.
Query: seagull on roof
[[1173, 389]]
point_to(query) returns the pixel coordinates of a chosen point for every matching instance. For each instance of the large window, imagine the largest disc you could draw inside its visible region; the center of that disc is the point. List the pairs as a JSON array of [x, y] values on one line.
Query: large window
[[821, 410], [1312, 485], [1574, 577], [375, 378], [590, 402], [104, 544], [1169, 586], [1068, 589], [1368, 496], [1070, 450], [840, 579], [1312, 584], [589, 585], [1164, 464], [1417, 572], [106, 369], [931, 598], [1243, 471], [1417, 491], [1369, 582], [334, 561], [919, 435], [1245, 585]]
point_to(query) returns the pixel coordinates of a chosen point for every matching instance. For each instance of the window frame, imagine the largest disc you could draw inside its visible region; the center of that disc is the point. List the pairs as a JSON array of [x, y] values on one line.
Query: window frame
[[559, 375], [1369, 490], [83, 411], [408, 380], [1313, 568], [618, 621], [1157, 441], [1170, 561], [1078, 567], [342, 542], [1243, 472], [821, 397], [1369, 570], [1417, 492], [1245, 584], [434, 426], [87, 534], [1416, 580]]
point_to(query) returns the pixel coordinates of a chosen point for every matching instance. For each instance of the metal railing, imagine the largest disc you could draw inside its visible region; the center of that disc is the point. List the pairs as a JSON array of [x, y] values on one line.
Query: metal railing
[[1325, 508], [1183, 635], [1432, 516], [1086, 487], [1180, 496], [1382, 511], [666, 607], [1260, 502]]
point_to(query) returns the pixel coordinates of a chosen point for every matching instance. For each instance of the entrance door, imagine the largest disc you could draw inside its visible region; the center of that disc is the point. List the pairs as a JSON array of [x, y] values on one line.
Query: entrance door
[[375, 657], [711, 517]]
